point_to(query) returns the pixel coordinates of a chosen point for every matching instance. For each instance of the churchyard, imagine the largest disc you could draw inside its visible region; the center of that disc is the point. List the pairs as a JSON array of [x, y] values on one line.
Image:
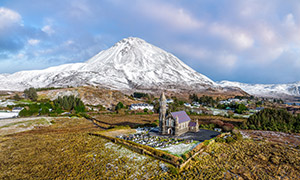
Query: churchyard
[[147, 136]]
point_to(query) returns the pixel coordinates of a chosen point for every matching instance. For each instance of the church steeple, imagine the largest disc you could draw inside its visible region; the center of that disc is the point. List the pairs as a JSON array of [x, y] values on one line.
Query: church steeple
[[162, 113]]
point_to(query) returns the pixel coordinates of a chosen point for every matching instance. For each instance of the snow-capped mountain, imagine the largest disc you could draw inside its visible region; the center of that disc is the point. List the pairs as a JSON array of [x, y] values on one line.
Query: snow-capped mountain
[[266, 90], [132, 63]]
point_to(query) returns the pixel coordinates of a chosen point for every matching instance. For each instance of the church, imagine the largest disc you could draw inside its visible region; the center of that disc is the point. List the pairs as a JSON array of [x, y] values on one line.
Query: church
[[174, 123]]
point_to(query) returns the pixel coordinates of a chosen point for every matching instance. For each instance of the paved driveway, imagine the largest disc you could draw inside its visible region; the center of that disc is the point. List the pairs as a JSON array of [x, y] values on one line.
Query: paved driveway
[[201, 135]]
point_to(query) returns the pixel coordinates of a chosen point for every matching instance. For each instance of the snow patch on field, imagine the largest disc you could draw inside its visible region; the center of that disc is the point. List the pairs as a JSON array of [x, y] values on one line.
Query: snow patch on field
[[125, 152], [245, 136], [11, 126], [179, 149]]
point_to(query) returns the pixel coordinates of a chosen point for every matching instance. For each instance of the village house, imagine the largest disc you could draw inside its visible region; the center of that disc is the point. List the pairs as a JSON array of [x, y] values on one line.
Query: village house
[[17, 109], [169, 101], [141, 106], [174, 123]]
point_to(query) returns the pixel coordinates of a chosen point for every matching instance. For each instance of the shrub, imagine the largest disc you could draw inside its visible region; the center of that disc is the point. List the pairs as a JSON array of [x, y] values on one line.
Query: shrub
[[220, 139], [180, 161], [237, 136], [207, 126], [183, 156], [252, 127], [230, 139], [206, 142], [173, 170], [219, 123], [17, 97], [227, 127]]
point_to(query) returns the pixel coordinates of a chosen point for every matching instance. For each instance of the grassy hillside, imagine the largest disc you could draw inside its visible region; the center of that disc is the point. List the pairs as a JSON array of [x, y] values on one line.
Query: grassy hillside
[[64, 150], [90, 95], [244, 159]]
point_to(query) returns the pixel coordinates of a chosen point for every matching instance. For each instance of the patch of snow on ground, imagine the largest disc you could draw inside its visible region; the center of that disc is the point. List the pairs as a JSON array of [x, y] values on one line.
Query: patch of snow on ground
[[163, 167], [125, 152], [11, 126], [179, 148], [6, 103], [245, 136]]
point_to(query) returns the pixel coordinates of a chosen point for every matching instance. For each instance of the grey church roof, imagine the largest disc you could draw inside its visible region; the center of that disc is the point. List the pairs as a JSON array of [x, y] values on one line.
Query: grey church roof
[[182, 116]]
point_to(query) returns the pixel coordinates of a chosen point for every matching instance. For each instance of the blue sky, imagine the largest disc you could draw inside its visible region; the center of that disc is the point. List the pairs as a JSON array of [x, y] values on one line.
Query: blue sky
[[252, 41]]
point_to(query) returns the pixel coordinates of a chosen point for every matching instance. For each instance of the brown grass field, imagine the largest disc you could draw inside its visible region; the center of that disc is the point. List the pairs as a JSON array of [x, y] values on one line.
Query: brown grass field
[[64, 150], [124, 120], [244, 159], [134, 120]]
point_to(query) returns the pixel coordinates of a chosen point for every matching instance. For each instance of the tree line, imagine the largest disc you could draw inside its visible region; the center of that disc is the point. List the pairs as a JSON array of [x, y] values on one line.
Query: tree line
[[273, 120], [205, 100], [70, 104]]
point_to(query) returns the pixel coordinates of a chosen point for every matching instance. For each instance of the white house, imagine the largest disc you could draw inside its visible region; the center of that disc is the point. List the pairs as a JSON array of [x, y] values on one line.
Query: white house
[[196, 104], [141, 106], [17, 109], [187, 104], [169, 101]]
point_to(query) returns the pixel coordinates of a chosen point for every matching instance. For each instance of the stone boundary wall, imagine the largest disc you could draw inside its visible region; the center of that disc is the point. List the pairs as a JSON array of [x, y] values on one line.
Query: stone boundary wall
[[178, 162], [200, 148], [145, 150]]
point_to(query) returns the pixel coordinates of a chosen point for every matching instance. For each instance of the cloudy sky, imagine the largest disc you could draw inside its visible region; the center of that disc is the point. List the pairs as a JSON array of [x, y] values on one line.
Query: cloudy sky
[[252, 41]]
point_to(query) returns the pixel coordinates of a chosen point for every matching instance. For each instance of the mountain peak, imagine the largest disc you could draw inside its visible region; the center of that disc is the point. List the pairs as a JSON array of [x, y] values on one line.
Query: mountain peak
[[131, 41], [131, 63]]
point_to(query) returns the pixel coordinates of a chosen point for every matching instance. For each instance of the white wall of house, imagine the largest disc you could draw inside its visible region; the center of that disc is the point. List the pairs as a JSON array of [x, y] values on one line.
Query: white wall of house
[[4, 115], [141, 107]]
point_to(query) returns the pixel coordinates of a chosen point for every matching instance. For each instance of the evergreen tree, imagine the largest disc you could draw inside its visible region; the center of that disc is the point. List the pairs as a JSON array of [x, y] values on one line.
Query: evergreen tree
[[17, 97], [69, 103], [119, 106], [31, 94], [274, 120]]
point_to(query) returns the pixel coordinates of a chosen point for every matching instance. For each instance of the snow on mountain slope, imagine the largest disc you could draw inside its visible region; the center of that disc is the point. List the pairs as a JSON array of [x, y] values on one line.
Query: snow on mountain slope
[[132, 63], [266, 90]]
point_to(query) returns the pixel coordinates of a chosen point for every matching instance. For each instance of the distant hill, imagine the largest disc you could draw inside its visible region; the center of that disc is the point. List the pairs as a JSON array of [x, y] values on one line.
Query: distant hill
[[266, 90]]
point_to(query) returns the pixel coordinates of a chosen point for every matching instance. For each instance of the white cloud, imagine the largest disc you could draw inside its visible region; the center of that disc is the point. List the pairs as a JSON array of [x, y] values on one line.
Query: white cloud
[[79, 9], [69, 42], [227, 60], [169, 15], [9, 18], [191, 50], [48, 29], [33, 42], [266, 35], [289, 20], [241, 39], [20, 55]]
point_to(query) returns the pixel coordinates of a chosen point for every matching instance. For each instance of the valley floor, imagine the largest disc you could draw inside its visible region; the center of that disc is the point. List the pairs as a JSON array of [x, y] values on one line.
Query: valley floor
[[244, 159], [65, 150]]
